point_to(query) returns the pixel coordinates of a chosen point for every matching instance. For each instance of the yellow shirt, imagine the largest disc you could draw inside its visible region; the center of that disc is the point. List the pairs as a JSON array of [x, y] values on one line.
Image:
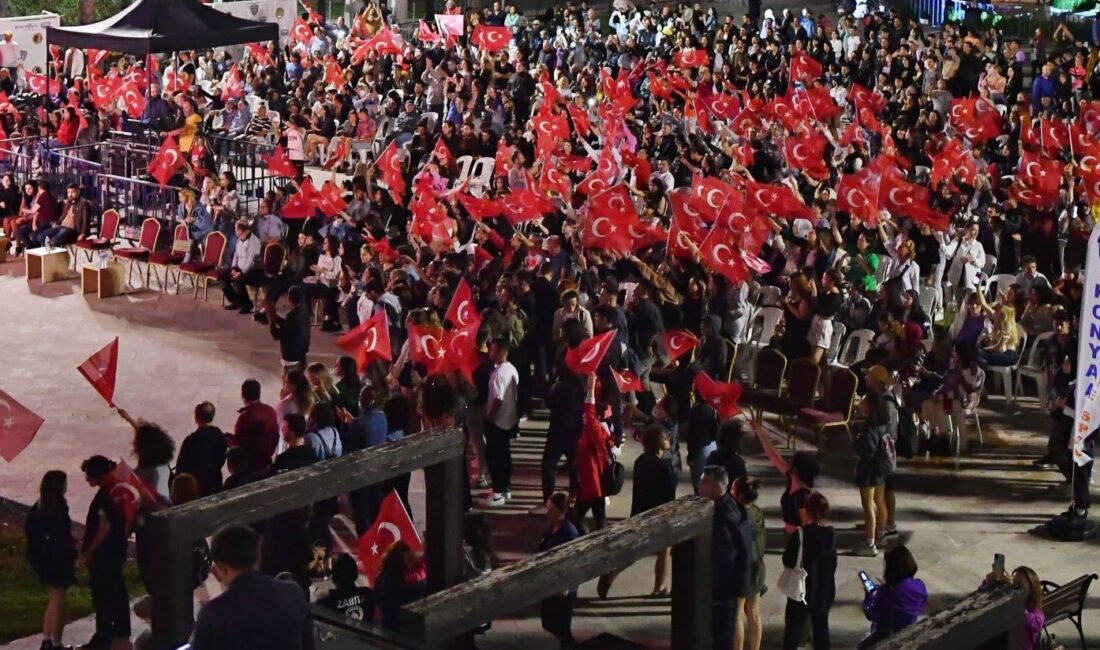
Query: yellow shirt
[[190, 129]]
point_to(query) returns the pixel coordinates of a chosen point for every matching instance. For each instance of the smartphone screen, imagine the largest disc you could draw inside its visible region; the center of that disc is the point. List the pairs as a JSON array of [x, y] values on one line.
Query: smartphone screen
[[868, 584]]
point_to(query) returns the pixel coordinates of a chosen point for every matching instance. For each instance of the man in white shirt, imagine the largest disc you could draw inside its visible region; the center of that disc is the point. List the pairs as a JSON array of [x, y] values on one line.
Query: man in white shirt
[[9, 53], [245, 269], [967, 260], [501, 422]]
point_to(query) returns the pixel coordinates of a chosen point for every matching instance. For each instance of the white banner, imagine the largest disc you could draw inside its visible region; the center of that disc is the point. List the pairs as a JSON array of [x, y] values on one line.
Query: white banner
[[268, 11], [29, 32], [1088, 353]]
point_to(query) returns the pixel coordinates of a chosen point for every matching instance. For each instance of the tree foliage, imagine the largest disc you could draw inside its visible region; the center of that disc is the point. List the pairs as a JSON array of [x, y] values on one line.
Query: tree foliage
[[69, 10]]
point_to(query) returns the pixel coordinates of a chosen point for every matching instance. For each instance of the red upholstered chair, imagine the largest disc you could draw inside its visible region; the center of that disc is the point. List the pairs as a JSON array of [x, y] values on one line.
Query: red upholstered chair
[[108, 231], [801, 387], [835, 407], [272, 262], [212, 251], [173, 257], [147, 244], [771, 367]]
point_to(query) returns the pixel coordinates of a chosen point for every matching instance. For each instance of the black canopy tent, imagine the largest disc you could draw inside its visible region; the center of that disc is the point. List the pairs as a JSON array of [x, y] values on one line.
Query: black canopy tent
[[158, 26]]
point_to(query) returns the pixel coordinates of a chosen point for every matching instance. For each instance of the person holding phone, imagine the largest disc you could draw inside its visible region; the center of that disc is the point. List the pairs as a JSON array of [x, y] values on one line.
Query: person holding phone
[[1024, 578], [896, 602]]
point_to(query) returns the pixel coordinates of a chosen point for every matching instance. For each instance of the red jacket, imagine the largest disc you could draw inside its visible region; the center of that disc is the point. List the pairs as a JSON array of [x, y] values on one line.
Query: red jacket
[[593, 456], [257, 430]]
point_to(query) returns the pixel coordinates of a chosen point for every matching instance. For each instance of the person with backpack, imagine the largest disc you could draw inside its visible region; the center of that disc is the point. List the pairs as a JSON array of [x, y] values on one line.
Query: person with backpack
[[901, 426], [876, 459]]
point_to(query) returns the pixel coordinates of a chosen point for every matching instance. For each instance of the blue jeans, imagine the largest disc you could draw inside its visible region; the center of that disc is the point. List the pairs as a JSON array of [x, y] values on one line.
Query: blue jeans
[[697, 462], [58, 236]]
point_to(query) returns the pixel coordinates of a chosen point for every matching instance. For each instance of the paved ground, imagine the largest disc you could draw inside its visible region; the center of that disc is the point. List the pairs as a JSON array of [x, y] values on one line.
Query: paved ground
[[175, 351]]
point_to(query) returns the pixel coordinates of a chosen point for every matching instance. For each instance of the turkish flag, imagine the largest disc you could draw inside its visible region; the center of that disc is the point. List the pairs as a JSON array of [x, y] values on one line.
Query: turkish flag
[[580, 119], [389, 164], [1040, 174], [721, 253], [852, 196], [279, 164], [862, 97], [129, 493], [1090, 184], [902, 197], [301, 204], [382, 248], [479, 208], [502, 162], [105, 91], [977, 119], [451, 25], [260, 53], [491, 39], [134, 99], [426, 346], [167, 162], [643, 235], [691, 58], [586, 357], [95, 57], [38, 84], [174, 82], [659, 87], [684, 226], [460, 352], [5, 103], [524, 205], [615, 203], [678, 343], [338, 153], [18, 426], [384, 42], [233, 86], [627, 381], [778, 200], [710, 197], [330, 199], [804, 68], [369, 341], [555, 180], [425, 34], [807, 152], [314, 17], [814, 102], [100, 369], [951, 160], [392, 525], [462, 311], [720, 395], [301, 32]]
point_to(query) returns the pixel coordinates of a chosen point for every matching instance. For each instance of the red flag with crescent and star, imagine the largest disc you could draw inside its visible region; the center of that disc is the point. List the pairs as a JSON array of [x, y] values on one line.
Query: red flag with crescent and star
[[491, 39], [678, 343], [389, 165], [100, 370], [426, 347], [128, 492], [18, 426], [369, 341], [586, 357], [462, 311], [167, 161], [280, 164], [719, 394], [627, 381], [392, 525]]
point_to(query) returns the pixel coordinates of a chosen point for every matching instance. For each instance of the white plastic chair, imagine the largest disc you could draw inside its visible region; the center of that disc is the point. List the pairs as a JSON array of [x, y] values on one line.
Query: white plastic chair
[[998, 283], [1005, 372], [482, 174], [839, 330], [990, 264], [768, 296], [465, 164], [1033, 370], [855, 348], [928, 299], [433, 119], [761, 329]]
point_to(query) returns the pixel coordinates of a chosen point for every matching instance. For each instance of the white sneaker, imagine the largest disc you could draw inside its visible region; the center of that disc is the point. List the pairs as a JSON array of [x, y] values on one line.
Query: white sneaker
[[866, 550], [493, 500], [538, 510], [508, 496]]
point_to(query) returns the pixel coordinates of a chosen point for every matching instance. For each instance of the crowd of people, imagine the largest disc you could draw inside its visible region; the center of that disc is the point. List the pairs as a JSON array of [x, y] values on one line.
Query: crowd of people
[[659, 176]]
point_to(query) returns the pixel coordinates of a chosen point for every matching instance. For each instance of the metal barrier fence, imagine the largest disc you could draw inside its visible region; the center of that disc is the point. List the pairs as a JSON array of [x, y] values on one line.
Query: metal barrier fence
[[18, 156], [136, 200], [247, 161]]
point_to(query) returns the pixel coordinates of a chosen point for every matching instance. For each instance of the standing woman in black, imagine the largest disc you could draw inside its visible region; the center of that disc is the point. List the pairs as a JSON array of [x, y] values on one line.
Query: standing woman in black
[[815, 546], [51, 551]]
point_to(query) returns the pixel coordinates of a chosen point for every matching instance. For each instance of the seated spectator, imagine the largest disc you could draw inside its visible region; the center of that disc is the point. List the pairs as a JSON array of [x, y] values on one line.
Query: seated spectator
[[896, 602], [346, 597]]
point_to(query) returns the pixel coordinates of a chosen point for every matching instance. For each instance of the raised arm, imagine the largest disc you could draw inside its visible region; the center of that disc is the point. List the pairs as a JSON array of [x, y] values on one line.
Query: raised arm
[[769, 449]]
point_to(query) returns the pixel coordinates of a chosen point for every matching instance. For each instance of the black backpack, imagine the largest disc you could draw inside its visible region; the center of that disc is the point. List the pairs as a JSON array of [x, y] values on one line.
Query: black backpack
[[613, 477], [908, 442]]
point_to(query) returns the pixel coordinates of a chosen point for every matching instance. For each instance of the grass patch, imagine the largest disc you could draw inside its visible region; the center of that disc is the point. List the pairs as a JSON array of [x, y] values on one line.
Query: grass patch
[[23, 596]]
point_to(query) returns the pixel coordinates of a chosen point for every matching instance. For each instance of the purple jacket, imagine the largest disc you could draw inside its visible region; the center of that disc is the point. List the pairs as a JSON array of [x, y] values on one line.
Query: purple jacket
[[897, 606]]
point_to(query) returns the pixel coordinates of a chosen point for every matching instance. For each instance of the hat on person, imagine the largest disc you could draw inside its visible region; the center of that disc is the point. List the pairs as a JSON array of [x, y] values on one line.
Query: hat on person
[[802, 228], [878, 375], [611, 284]]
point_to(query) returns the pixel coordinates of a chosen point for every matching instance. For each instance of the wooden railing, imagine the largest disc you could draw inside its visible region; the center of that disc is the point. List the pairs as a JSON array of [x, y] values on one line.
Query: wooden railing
[[684, 524], [173, 531], [991, 619]]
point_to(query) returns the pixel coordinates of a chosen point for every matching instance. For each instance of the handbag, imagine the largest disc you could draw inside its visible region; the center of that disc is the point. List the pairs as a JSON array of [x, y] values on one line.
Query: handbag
[[612, 479], [792, 582]]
